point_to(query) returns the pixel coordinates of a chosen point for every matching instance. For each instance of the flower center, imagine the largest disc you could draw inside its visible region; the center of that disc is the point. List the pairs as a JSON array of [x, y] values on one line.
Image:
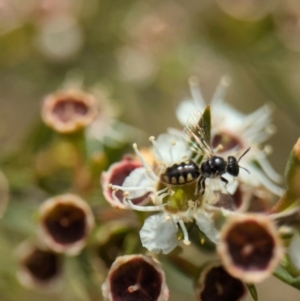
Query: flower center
[[250, 245], [136, 280], [180, 198], [69, 109], [43, 265], [219, 285], [66, 223], [228, 142]]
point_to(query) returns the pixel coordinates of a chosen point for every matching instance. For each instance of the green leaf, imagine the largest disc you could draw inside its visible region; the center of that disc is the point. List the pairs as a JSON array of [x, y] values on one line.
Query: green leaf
[[292, 177], [205, 125], [252, 290], [283, 274]]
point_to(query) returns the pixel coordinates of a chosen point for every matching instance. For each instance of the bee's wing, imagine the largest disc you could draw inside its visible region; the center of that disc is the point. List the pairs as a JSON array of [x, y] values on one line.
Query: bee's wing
[[198, 131]]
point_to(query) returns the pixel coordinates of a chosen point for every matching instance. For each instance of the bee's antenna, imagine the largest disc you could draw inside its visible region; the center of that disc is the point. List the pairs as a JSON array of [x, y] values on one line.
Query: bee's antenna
[[245, 169], [245, 152]]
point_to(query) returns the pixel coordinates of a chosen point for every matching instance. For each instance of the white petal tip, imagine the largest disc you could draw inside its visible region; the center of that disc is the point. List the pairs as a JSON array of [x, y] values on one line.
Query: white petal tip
[[226, 80], [193, 80]]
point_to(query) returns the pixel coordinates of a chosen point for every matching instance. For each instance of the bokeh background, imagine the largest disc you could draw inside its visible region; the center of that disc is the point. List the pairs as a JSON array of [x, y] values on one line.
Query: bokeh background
[[141, 53]]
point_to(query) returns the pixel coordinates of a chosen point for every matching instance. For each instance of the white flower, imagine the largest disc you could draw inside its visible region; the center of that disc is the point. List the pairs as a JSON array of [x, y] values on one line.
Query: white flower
[[235, 132], [177, 204], [120, 173]]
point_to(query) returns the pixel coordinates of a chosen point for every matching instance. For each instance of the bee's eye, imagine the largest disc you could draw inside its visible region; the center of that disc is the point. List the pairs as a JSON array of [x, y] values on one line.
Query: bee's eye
[[231, 160], [233, 169]]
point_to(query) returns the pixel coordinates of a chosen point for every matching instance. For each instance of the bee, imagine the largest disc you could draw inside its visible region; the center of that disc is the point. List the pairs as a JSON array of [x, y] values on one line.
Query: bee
[[211, 166]]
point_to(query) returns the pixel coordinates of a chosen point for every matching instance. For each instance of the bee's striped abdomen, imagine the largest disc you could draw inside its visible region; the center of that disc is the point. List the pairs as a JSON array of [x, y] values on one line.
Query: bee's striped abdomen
[[180, 174]]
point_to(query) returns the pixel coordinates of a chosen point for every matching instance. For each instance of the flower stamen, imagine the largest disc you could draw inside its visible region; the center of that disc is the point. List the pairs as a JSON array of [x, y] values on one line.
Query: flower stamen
[[186, 240], [133, 288], [154, 144], [117, 187], [145, 208], [149, 171]]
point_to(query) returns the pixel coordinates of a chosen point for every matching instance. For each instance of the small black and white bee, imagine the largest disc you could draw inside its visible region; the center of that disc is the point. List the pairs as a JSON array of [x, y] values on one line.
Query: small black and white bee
[[211, 166], [188, 171]]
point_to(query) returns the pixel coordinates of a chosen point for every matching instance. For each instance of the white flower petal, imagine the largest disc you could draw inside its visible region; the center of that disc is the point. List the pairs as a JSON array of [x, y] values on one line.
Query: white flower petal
[[138, 178], [294, 250], [232, 186], [185, 110], [171, 148], [228, 116], [207, 226], [159, 234]]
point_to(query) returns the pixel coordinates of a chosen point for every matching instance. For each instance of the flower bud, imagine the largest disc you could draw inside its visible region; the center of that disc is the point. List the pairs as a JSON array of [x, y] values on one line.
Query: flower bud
[[65, 222], [135, 278], [250, 247], [39, 268], [69, 111], [216, 284]]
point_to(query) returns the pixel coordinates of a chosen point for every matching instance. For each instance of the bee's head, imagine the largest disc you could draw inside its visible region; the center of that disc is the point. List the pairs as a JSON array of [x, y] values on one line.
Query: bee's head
[[232, 166]]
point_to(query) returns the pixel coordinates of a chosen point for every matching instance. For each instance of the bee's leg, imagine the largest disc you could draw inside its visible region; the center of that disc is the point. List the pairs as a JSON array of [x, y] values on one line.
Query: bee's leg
[[203, 186], [224, 180], [200, 186]]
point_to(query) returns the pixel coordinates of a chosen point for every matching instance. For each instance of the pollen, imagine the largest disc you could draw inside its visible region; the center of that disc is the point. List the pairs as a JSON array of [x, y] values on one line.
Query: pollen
[[133, 288]]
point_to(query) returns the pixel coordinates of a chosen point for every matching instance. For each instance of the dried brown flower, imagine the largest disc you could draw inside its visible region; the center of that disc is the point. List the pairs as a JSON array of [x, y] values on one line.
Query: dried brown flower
[[40, 268], [135, 278], [69, 111], [65, 222], [216, 284], [250, 247]]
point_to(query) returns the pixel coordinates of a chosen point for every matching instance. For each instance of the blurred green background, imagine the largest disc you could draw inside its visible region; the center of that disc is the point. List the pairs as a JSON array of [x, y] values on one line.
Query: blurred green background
[[142, 53]]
